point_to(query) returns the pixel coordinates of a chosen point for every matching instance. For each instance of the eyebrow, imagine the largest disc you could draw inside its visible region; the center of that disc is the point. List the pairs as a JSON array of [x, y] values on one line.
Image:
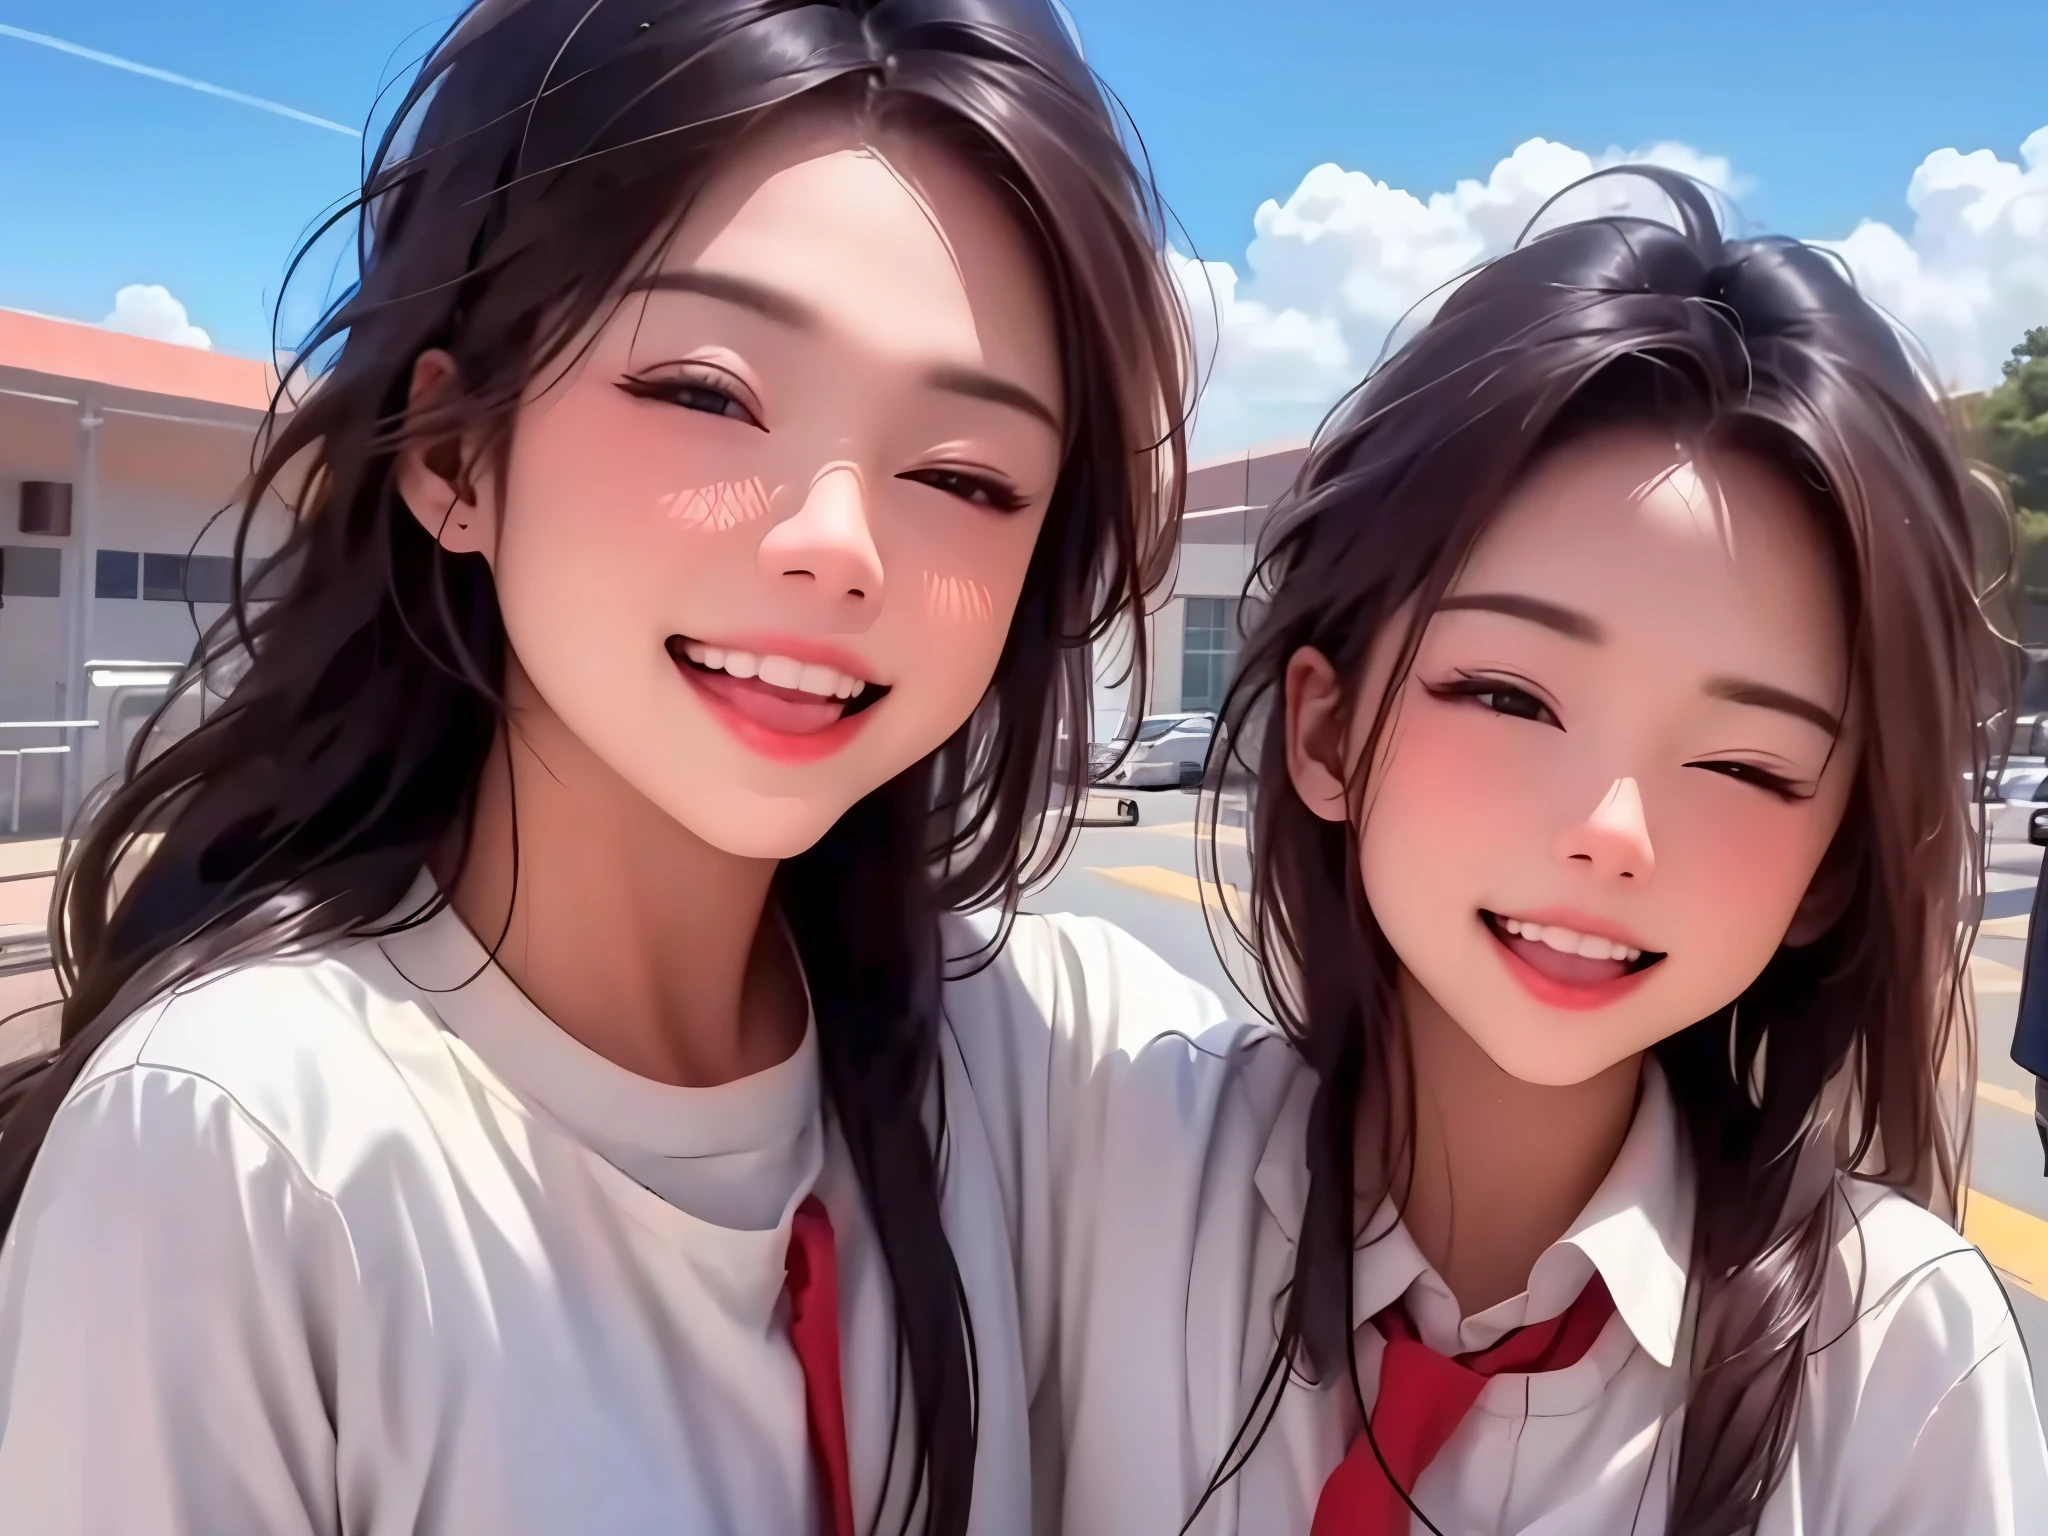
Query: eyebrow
[[786, 309], [1568, 622], [771, 303], [1574, 625], [1738, 690], [976, 385]]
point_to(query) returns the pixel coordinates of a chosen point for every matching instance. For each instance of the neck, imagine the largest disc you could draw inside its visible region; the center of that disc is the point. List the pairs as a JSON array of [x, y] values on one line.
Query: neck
[[636, 937], [1499, 1168]]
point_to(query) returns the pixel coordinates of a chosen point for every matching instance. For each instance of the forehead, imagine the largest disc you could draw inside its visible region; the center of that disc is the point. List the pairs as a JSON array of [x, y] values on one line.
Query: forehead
[[896, 245], [1714, 563]]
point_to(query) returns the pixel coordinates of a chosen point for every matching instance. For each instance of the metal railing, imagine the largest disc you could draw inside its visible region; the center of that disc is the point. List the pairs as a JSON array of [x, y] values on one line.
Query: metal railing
[[18, 753]]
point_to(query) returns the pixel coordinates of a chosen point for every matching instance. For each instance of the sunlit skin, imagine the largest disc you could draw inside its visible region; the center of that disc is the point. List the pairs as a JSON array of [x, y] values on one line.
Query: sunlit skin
[[827, 428], [1621, 721]]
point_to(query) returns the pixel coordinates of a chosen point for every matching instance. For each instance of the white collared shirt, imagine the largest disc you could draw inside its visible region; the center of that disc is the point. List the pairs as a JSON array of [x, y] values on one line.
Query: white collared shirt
[[1181, 1216], [339, 1245]]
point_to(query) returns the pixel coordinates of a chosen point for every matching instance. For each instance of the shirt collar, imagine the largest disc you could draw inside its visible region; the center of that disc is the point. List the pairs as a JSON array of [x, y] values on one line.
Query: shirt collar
[[1636, 1231], [543, 1064]]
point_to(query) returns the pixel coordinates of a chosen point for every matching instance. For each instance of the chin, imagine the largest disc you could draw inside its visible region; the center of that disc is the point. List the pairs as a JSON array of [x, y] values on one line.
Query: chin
[[1547, 1054], [754, 826]]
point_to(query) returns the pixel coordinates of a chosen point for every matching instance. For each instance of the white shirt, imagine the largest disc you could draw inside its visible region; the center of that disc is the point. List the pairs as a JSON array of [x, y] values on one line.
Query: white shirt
[[321, 1246], [1181, 1221]]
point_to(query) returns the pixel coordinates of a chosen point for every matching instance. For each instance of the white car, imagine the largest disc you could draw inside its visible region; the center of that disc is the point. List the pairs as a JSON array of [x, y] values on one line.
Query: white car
[[1169, 752]]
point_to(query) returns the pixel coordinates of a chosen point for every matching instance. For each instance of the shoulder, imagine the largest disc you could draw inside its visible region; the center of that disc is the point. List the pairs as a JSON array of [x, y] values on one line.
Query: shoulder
[[1922, 1299], [305, 1050], [1920, 1411], [1076, 975]]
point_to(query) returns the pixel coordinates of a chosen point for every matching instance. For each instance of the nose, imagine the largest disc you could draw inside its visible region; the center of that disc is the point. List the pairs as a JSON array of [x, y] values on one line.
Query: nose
[[826, 543], [1615, 839]]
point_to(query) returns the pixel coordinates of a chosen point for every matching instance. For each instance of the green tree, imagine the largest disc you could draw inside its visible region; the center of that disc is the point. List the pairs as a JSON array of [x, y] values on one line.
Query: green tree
[[2012, 423]]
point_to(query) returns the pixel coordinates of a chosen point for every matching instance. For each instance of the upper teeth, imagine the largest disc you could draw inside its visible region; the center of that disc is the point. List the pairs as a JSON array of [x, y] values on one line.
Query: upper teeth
[[1570, 942], [776, 671]]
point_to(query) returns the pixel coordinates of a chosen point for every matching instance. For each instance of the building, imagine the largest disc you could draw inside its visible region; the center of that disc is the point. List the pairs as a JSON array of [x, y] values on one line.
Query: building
[[1193, 636], [116, 454]]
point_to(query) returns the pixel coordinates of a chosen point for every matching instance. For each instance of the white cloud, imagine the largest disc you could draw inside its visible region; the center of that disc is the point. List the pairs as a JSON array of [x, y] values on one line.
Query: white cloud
[[1972, 276], [149, 310], [1333, 269]]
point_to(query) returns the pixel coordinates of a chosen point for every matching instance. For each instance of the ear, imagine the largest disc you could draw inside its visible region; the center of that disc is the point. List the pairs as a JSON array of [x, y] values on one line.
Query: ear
[[433, 473], [1315, 734], [1826, 899]]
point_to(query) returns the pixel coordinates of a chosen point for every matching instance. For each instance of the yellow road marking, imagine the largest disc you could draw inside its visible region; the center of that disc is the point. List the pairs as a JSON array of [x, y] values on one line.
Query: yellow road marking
[[1160, 882], [1169, 882], [2014, 1241], [2006, 1098], [1992, 978]]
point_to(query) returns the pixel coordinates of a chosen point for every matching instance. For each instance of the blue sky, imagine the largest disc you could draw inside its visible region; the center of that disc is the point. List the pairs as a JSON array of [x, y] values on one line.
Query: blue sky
[[1824, 108]]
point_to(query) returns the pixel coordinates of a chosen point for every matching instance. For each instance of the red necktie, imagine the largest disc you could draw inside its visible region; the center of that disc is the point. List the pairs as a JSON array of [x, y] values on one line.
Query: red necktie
[[813, 1285], [1424, 1396]]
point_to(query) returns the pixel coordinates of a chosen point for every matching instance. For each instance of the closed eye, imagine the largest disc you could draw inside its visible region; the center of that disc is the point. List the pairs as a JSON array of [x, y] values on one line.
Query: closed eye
[[1763, 778], [1499, 697], [704, 390], [976, 489]]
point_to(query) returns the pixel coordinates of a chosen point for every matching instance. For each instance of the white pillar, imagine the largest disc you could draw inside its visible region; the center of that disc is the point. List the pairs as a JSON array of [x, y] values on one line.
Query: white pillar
[[77, 690]]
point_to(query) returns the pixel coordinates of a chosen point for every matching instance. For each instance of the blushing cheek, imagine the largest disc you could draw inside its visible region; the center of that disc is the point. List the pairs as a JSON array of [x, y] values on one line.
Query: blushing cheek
[[718, 507], [958, 602], [1427, 822], [1750, 872]]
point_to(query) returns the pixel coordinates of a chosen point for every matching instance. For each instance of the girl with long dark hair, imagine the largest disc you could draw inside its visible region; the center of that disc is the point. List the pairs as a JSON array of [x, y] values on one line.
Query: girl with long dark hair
[[1614, 875], [509, 1076]]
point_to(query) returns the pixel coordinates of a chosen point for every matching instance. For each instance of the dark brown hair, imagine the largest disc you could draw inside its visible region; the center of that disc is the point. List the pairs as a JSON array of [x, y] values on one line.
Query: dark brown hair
[[1757, 345], [534, 162]]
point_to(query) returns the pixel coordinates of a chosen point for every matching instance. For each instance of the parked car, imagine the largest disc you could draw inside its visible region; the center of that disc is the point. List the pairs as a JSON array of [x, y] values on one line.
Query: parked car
[[1169, 751]]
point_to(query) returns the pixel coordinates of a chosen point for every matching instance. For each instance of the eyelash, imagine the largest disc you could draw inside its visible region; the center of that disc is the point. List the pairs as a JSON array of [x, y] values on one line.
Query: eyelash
[[1481, 690], [975, 490], [703, 392]]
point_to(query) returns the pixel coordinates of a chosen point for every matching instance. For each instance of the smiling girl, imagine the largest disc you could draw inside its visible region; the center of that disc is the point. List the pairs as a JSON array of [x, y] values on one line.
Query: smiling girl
[[507, 1081], [1612, 862]]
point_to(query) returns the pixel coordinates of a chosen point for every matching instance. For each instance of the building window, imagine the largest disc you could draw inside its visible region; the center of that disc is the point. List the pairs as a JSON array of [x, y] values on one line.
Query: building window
[[30, 570], [1208, 650], [163, 578], [118, 573], [187, 579], [210, 579]]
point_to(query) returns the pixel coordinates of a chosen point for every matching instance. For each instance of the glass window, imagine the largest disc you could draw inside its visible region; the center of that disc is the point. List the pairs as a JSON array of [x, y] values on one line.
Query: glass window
[[30, 570], [209, 579], [163, 578], [1208, 650], [118, 573]]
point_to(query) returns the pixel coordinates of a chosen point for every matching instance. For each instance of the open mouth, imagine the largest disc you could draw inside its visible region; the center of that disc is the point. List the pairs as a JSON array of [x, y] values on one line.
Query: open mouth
[[1565, 965], [779, 704]]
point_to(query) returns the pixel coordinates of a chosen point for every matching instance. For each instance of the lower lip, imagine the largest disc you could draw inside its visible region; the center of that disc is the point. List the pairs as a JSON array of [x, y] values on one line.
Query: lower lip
[[779, 746], [1553, 993]]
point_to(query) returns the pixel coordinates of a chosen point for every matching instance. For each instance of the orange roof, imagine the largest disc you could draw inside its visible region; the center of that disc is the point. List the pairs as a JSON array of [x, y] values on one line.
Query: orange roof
[[65, 349]]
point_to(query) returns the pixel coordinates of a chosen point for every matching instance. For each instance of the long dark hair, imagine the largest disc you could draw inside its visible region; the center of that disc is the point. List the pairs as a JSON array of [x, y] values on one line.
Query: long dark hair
[[1762, 345], [541, 152]]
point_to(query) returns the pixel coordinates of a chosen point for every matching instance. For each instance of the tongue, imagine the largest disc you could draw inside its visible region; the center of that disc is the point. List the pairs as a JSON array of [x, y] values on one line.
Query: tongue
[[1572, 970], [788, 710]]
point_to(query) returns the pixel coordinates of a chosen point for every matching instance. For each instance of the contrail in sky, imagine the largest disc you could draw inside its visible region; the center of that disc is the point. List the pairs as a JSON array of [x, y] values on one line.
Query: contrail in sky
[[58, 43]]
